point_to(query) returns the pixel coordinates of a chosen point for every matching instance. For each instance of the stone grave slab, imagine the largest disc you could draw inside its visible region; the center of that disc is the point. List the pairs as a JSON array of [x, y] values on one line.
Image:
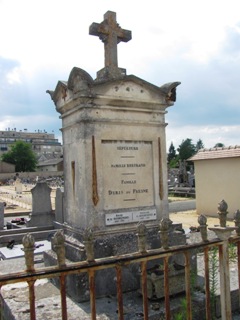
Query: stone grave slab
[[16, 251], [42, 214]]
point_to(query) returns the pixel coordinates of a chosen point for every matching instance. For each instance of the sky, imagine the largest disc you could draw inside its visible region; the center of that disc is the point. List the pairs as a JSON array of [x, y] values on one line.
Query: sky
[[196, 42]]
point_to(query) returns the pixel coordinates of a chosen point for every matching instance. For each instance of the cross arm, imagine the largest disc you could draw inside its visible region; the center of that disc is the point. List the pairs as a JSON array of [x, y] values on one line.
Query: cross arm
[[94, 29], [125, 36]]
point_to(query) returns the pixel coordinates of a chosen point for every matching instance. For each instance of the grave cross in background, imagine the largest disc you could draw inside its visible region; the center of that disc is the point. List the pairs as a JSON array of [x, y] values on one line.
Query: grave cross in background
[[111, 34]]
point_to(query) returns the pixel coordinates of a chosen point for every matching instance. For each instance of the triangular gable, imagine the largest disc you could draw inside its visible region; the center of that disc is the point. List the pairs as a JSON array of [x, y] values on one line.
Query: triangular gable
[[134, 88]]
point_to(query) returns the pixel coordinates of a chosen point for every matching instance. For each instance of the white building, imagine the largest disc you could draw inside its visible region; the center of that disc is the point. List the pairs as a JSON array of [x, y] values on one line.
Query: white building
[[217, 177]]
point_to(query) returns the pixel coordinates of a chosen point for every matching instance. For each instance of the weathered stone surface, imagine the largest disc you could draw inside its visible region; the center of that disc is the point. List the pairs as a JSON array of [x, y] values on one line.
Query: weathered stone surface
[[41, 214], [59, 216], [115, 165], [111, 34], [115, 153], [114, 143]]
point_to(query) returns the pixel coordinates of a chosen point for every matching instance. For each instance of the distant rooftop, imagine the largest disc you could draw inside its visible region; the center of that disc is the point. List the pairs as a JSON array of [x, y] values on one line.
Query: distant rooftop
[[217, 153], [25, 130], [50, 162]]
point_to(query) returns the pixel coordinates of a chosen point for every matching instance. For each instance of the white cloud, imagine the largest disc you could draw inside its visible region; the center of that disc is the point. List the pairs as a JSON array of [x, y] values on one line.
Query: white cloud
[[189, 41], [210, 135], [14, 76]]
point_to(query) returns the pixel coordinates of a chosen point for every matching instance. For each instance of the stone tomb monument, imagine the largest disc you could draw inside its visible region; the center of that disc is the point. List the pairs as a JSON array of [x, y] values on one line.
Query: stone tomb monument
[[18, 186], [114, 145]]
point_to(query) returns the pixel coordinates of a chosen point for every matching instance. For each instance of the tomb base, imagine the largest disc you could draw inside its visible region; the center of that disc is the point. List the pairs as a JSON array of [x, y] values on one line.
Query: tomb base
[[115, 245], [155, 284], [41, 219]]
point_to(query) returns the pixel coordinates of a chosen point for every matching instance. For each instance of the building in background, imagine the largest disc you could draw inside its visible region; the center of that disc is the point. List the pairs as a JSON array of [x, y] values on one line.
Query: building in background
[[42, 142], [51, 165], [217, 177]]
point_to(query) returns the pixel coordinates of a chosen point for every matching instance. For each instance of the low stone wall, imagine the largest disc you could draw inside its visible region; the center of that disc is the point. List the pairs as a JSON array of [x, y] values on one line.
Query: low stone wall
[[30, 175]]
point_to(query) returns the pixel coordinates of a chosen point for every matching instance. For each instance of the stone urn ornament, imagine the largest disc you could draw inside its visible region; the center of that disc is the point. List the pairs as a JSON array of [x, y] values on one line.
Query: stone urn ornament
[[222, 212], [165, 224], [202, 220], [141, 234], [237, 221], [88, 241]]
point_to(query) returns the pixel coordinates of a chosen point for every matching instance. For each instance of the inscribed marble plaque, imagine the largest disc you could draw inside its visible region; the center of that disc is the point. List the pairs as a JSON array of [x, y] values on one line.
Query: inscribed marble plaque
[[127, 174]]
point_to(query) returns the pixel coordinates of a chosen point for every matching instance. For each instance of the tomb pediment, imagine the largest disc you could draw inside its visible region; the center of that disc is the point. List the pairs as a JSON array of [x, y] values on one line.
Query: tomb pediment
[[133, 91], [130, 91]]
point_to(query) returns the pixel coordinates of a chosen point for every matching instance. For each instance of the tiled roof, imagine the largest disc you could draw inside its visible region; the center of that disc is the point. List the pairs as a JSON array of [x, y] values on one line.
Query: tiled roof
[[217, 153]]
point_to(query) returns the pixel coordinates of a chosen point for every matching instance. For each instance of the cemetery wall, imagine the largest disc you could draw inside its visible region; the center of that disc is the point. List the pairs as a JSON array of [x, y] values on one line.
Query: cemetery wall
[[6, 167], [217, 179], [31, 175]]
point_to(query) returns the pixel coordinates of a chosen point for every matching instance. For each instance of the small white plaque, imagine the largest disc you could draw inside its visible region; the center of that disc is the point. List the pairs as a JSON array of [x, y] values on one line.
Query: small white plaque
[[118, 218], [128, 217], [145, 215]]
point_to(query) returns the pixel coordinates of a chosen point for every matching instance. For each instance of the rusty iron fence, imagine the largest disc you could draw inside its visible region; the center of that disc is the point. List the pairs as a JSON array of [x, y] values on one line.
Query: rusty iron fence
[[143, 256]]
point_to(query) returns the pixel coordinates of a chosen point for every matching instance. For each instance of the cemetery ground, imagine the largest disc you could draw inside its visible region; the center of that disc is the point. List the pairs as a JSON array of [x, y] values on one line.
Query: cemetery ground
[[180, 208]]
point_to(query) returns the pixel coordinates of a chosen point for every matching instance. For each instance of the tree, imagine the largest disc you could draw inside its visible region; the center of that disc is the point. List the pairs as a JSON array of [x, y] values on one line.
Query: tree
[[173, 157], [22, 156], [186, 149], [219, 145], [174, 162], [199, 145], [171, 153]]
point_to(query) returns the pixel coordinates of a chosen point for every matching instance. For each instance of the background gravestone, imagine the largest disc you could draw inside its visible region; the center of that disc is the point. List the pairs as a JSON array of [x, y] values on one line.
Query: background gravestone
[[18, 186], [41, 214], [59, 206]]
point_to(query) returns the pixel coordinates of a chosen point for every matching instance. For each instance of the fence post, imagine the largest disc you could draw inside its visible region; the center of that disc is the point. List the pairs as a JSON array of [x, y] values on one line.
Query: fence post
[[237, 221], [28, 248], [141, 234], [225, 293], [164, 227], [202, 220], [88, 241], [58, 244], [222, 212]]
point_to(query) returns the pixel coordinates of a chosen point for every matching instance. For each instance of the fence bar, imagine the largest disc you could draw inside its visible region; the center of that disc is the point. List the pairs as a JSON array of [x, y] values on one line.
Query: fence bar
[[1, 300], [166, 290], [119, 292], [144, 289], [207, 284], [91, 277], [63, 297], [238, 254], [32, 275], [188, 285], [32, 299], [226, 312]]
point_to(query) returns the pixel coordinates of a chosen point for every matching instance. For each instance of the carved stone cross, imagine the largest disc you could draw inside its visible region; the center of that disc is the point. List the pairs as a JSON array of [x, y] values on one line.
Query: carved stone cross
[[111, 34]]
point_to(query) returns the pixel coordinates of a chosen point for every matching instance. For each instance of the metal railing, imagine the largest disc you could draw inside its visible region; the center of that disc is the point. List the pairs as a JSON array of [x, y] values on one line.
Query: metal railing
[[143, 257]]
